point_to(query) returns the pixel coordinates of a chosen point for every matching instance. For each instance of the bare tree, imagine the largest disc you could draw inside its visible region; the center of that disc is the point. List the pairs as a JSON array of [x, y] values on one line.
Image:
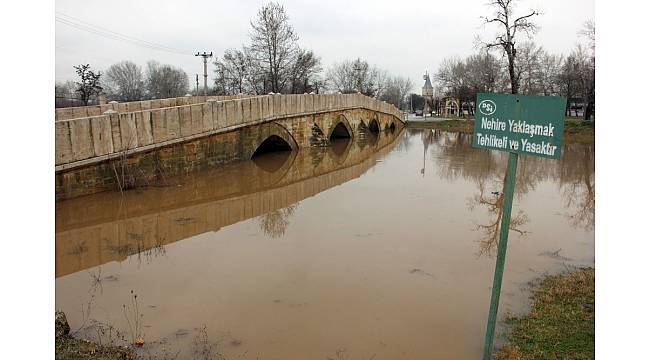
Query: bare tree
[[358, 76], [568, 81], [304, 72], [484, 73], [379, 80], [528, 68], [464, 78], [505, 39], [550, 67], [342, 77], [589, 31], [257, 78], [589, 72], [396, 91], [453, 78], [64, 94], [164, 81], [89, 84], [124, 81], [274, 45], [232, 72], [405, 85], [577, 80]]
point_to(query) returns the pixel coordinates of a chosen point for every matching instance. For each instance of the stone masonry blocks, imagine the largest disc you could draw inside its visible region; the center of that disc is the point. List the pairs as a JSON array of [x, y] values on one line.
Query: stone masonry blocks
[[254, 114], [246, 110], [197, 118], [159, 125], [128, 131], [208, 122], [115, 132], [102, 135], [173, 123], [185, 114], [81, 139], [79, 112], [143, 126], [219, 115], [62, 144]]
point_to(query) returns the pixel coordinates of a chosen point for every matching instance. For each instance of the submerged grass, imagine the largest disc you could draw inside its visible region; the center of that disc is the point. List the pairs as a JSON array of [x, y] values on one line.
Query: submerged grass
[[68, 347], [561, 323]]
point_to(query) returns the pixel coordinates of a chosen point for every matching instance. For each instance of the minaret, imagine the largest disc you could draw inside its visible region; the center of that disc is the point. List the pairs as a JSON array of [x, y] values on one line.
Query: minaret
[[427, 93]]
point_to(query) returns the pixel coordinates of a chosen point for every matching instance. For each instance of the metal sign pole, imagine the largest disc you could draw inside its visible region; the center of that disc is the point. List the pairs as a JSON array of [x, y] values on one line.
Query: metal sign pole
[[508, 193]]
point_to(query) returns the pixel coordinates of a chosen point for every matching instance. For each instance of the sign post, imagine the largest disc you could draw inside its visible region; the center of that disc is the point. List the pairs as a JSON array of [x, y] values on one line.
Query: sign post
[[528, 125]]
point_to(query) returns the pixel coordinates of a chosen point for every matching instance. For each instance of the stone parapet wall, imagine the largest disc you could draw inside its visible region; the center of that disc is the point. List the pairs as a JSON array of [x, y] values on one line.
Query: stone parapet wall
[[96, 110], [85, 140]]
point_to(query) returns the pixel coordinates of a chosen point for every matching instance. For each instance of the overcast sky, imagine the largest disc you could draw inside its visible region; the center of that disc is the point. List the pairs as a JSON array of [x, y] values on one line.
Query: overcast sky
[[404, 37]]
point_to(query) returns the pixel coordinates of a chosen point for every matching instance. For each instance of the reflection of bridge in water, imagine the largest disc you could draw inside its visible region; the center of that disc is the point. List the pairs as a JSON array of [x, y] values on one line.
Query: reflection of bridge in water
[[96, 229]]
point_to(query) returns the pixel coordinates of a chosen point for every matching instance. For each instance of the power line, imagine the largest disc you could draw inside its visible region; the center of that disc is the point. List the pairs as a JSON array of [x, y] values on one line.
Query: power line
[[70, 20], [149, 43], [112, 37], [101, 31]]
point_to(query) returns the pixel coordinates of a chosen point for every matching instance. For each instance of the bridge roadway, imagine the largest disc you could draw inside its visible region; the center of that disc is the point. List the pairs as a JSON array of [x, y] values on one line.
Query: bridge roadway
[[91, 231], [134, 148]]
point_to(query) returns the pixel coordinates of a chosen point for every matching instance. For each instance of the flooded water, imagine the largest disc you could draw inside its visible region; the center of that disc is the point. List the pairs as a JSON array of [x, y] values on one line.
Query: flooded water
[[377, 249]]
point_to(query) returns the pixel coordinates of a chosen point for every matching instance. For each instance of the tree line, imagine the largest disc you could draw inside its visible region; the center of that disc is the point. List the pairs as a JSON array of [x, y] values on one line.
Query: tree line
[[124, 81], [272, 62], [520, 68]]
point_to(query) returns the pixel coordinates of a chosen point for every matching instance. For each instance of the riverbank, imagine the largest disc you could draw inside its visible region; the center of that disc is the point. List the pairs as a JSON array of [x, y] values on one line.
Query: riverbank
[[70, 348], [561, 323], [575, 131]]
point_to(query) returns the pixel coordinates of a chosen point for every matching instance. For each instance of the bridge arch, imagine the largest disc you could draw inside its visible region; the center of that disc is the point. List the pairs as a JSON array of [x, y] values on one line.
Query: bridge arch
[[272, 143], [374, 125], [341, 128], [273, 138]]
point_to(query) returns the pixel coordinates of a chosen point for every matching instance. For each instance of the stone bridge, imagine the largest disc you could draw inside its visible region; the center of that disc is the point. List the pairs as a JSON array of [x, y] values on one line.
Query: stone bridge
[[144, 222], [122, 146]]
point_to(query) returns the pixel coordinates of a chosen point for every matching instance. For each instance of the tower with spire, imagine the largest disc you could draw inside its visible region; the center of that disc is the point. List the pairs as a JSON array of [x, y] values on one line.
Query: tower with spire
[[427, 93]]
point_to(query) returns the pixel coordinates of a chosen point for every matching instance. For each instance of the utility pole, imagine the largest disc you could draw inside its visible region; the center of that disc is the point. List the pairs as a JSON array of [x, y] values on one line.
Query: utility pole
[[197, 84], [205, 57]]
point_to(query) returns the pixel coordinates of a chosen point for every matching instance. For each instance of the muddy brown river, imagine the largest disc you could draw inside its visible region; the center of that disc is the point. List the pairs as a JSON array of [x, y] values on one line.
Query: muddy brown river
[[379, 248]]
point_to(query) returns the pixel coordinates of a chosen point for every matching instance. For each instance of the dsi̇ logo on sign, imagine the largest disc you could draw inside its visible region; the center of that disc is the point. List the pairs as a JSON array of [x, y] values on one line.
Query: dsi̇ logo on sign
[[487, 107]]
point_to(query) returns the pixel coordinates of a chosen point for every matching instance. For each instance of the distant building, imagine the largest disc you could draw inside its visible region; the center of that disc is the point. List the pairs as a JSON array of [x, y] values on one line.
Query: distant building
[[427, 93], [449, 106]]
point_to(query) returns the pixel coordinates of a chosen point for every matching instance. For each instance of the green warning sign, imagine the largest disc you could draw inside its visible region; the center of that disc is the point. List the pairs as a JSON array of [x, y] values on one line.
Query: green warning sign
[[527, 125]]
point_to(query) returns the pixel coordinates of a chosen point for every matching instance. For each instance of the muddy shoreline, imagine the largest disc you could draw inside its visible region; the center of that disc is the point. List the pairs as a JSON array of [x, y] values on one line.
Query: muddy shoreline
[[69, 347]]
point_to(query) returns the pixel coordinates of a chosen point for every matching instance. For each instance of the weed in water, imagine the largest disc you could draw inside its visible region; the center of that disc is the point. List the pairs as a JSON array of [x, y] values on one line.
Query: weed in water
[[134, 320], [203, 349]]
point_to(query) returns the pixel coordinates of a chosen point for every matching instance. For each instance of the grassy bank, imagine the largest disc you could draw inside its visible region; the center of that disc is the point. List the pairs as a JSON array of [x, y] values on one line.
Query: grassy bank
[[465, 126], [561, 323], [575, 130]]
